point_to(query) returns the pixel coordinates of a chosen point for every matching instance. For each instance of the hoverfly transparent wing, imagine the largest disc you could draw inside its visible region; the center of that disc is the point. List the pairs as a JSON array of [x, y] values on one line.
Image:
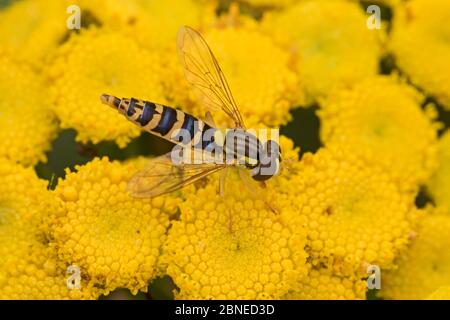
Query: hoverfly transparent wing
[[205, 75], [256, 189], [162, 176]]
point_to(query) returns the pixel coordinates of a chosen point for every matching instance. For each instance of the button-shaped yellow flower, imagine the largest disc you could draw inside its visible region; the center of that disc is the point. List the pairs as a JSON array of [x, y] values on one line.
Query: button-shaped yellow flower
[[355, 213], [155, 23], [320, 284], [32, 29], [235, 247], [332, 41], [29, 268], [439, 184], [258, 73], [100, 61], [115, 238], [425, 266], [382, 116], [27, 125], [421, 47]]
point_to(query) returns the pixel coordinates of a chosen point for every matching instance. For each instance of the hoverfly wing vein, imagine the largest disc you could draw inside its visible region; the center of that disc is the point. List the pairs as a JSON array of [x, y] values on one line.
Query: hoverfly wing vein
[[191, 48], [161, 176]]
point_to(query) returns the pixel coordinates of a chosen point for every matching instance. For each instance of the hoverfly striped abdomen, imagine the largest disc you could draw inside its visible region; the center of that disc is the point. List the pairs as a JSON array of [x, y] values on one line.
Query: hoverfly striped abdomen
[[164, 121]]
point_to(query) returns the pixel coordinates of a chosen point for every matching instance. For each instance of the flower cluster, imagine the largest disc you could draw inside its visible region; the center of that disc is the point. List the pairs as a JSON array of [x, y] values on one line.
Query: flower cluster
[[35, 35], [355, 213], [115, 238], [263, 85], [420, 45], [323, 285], [27, 125], [381, 116], [151, 15], [332, 42], [313, 231], [96, 62], [439, 183], [425, 267], [235, 247], [29, 268]]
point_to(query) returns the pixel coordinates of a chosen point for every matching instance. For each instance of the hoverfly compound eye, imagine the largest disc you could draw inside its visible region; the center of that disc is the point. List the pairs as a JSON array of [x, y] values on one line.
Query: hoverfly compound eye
[[273, 155], [273, 149]]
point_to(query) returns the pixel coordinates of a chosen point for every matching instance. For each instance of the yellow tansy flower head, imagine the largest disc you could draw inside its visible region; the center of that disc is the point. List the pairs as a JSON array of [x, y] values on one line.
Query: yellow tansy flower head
[[258, 73], [234, 247], [355, 214], [27, 125], [425, 266], [40, 26], [154, 24], [320, 284], [99, 61], [439, 184], [420, 43], [28, 267], [31, 29], [382, 117], [115, 238], [332, 41]]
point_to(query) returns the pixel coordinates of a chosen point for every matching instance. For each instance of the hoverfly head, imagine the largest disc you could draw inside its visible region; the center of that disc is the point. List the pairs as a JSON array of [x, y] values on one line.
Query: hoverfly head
[[269, 161]]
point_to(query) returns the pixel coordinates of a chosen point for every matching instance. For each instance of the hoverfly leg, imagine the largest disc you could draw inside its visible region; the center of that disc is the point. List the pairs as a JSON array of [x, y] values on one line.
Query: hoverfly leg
[[222, 180], [248, 183]]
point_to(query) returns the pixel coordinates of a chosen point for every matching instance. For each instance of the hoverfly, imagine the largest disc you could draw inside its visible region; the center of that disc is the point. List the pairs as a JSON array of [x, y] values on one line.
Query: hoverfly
[[204, 74]]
